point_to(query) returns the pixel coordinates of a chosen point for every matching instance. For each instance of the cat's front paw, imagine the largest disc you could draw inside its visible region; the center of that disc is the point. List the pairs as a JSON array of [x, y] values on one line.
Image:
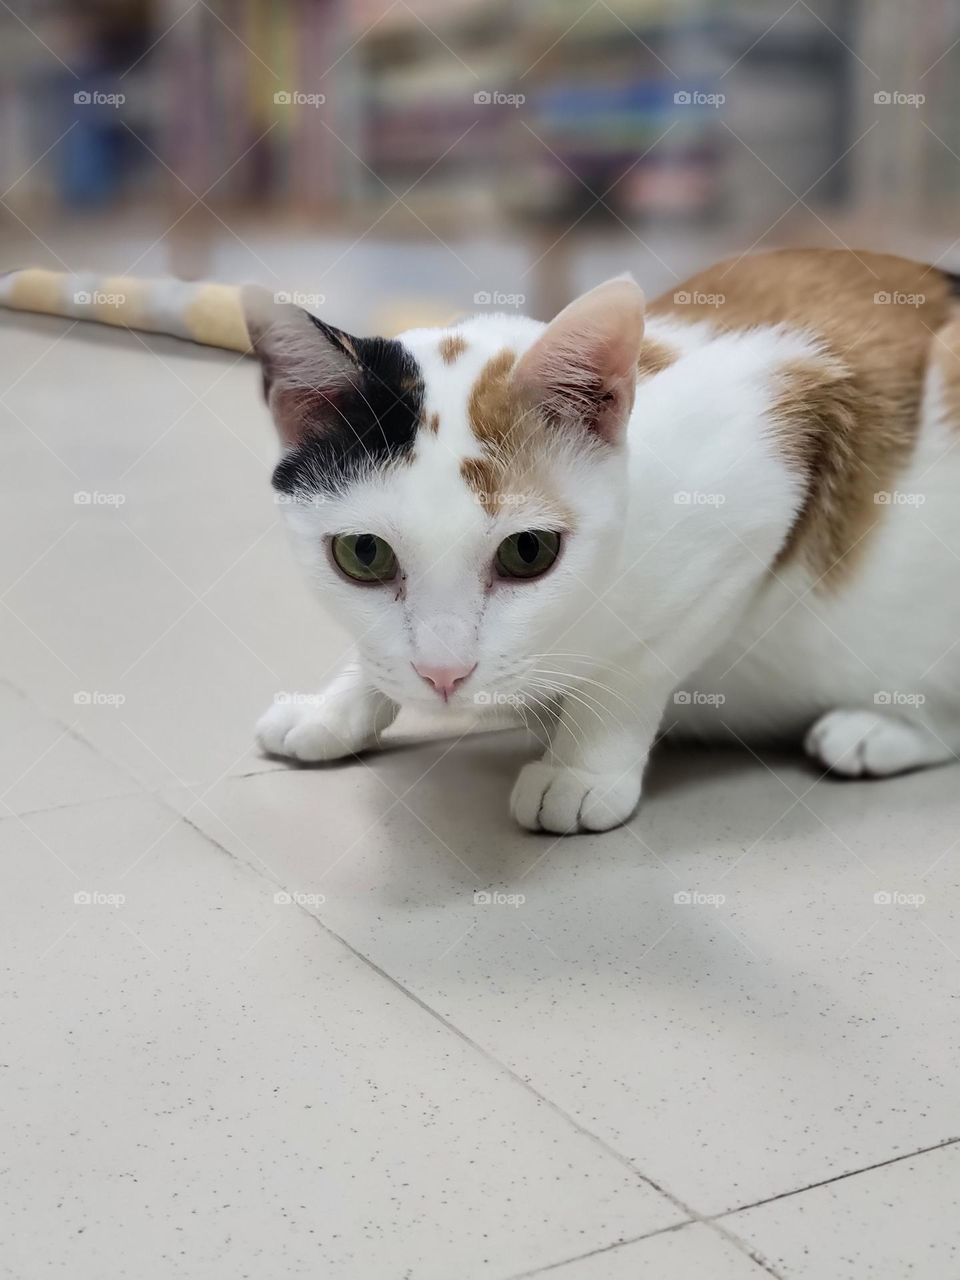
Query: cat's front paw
[[548, 797], [315, 728]]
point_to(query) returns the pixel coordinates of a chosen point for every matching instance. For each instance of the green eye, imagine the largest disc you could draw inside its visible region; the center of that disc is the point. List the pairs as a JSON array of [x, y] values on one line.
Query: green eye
[[527, 554], [364, 557]]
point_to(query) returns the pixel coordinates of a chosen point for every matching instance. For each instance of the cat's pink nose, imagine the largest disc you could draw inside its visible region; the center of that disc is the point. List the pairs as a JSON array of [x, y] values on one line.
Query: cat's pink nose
[[444, 679]]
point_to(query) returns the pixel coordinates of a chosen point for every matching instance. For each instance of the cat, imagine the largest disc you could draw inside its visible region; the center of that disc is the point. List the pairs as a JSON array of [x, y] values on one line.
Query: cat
[[732, 515]]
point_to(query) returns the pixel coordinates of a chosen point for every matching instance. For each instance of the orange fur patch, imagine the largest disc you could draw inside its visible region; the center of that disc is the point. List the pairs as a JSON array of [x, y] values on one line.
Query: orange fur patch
[[849, 421], [946, 356], [433, 423], [654, 357], [493, 410], [511, 464], [452, 346]]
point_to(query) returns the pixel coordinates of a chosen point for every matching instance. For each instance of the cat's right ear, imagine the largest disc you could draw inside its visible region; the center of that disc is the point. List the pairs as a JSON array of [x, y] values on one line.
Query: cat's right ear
[[309, 368]]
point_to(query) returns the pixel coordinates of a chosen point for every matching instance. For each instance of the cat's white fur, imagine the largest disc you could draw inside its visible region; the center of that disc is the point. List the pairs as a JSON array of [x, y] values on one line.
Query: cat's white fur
[[664, 612]]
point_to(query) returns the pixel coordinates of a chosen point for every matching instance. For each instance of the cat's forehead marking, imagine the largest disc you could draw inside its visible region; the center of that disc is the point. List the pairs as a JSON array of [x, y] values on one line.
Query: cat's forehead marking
[[491, 407], [452, 345]]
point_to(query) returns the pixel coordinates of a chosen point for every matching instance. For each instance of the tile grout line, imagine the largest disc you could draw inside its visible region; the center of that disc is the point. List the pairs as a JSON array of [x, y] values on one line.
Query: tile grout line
[[139, 786], [604, 1248], [838, 1177], [691, 1214]]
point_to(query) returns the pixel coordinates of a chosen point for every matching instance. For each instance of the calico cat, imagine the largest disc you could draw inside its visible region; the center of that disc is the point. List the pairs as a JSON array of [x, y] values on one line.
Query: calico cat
[[735, 516]]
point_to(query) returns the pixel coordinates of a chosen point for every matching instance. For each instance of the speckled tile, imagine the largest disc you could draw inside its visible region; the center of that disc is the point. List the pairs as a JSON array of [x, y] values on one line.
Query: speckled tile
[[141, 556], [898, 1222], [779, 1028], [44, 763], [202, 1082], [693, 1250]]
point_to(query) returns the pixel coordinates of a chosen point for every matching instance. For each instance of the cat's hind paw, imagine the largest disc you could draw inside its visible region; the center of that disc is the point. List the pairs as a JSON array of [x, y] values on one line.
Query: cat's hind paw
[[548, 797], [315, 727], [865, 744]]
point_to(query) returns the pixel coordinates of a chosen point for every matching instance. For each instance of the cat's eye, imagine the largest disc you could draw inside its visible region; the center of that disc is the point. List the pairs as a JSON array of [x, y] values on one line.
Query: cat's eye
[[364, 557], [527, 554]]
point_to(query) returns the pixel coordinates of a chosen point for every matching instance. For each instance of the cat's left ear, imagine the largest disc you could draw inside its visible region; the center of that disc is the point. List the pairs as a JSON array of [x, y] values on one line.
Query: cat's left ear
[[582, 371], [309, 368]]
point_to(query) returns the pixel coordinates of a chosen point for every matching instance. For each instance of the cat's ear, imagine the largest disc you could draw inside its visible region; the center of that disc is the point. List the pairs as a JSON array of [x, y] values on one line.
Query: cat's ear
[[309, 368], [582, 370]]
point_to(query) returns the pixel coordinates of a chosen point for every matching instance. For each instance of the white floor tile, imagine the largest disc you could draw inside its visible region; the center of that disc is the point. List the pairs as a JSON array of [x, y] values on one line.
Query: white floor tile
[[203, 1082], [43, 763], [892, 1223], [796, 1031]]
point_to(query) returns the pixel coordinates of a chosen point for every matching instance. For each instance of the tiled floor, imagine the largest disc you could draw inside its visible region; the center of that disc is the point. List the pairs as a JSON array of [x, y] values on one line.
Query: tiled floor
[[256, 1023]]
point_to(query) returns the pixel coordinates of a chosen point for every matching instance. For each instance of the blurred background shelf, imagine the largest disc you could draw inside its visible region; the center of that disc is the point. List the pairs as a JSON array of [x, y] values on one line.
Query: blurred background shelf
[[559, 126]]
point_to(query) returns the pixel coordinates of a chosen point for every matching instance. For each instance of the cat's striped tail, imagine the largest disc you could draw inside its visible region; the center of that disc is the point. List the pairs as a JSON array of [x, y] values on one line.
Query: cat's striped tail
[[207, 313]]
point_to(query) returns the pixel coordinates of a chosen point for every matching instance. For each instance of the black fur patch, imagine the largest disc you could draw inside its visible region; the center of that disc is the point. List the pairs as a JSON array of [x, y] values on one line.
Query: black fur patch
[[372, 421]]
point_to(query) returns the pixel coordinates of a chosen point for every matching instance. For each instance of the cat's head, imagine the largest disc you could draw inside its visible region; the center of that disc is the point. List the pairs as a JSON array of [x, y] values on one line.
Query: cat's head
[[457, 495]]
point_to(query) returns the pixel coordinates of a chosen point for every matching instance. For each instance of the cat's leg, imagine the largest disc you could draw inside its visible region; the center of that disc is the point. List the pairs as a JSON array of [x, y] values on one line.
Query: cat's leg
[[589, 778], [870, 744], [347, 716]]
